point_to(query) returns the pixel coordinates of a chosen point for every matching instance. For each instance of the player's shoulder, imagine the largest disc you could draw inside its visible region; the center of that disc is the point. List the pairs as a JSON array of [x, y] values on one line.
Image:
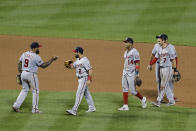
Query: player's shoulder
[[171, 46], [85, 58], [134, 50], [157, 45]]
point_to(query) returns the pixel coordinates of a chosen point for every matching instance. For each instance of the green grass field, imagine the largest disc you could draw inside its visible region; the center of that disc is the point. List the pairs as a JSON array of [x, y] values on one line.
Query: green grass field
[[101, 19], [107, 117]]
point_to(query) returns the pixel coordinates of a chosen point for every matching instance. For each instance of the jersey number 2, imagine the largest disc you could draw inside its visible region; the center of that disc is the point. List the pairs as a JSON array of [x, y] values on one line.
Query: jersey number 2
[[26, 64]]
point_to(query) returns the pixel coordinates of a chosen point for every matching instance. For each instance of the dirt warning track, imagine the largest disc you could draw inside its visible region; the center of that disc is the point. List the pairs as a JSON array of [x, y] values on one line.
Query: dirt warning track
[[106, 57]]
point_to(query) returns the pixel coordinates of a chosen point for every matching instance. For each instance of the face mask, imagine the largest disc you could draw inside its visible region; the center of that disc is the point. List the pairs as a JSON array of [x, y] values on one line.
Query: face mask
[[37, 51]]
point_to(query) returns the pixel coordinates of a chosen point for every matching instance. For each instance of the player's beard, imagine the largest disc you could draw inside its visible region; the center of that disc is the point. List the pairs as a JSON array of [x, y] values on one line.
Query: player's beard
[[128, 47], [76, 56], [37, 51]]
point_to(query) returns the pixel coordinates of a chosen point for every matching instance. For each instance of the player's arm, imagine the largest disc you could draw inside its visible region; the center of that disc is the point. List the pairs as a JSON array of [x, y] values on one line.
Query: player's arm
[[137, 67], [152, 57], [46, 64], [20, 66], [174, 65], [90, 72], [176, 61], [72, 66], [154, 60]]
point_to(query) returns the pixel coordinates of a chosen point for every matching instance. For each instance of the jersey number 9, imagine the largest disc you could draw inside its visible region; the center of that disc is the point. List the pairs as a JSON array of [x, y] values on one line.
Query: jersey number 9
[[26, 64]]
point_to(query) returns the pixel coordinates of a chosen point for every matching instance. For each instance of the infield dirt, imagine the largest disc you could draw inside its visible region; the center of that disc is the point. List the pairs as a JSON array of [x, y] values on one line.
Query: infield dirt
[[106, 57]]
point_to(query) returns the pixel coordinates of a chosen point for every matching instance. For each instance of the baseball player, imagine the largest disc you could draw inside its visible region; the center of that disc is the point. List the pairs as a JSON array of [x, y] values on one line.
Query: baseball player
[[130, 71], [157, 66], [84, 74], [28, 67], [166, 55]]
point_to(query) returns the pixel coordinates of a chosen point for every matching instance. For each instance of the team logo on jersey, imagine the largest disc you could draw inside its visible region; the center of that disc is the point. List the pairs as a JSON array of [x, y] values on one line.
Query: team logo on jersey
[[79, 65], [164, 54]]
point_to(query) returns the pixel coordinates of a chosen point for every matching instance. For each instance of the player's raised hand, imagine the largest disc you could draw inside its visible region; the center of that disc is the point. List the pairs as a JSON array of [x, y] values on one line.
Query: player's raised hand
[[55, 57], [149, 67]]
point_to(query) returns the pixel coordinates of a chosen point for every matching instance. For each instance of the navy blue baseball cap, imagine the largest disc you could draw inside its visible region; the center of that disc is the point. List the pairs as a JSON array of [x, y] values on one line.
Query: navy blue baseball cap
[[128, 40], [162, 36], [78, 49], [35, 45]]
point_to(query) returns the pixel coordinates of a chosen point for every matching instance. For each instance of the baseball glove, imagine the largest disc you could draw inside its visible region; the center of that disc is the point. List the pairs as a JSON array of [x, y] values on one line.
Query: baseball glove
[[176, 76], [18, 79], [68, 63], [138, 81]]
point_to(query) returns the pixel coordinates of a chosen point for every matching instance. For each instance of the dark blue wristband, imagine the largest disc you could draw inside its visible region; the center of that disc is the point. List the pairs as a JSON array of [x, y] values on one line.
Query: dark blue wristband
[[136, 72]]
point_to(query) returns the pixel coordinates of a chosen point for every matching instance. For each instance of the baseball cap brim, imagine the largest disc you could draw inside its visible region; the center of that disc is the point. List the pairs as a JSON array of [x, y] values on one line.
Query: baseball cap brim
[[158, 37], [126, 41]]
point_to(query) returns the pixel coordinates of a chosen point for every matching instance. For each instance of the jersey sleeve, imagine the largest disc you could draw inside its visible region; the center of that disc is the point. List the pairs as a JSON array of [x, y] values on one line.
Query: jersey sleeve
[[87, 65], [154, 50], [172, 53], [136, 55], [39, 61], [74, 64], [174, 49], [157, 55]]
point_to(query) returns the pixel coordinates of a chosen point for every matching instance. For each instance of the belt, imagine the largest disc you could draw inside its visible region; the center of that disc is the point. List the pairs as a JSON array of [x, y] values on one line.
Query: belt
[[79, 77], [163, 66], [31, 72]]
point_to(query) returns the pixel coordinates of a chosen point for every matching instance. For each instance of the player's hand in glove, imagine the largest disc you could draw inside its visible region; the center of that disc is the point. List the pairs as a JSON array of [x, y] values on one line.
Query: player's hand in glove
[[18, 79], [68, 63], [176, 75], [138, 81]]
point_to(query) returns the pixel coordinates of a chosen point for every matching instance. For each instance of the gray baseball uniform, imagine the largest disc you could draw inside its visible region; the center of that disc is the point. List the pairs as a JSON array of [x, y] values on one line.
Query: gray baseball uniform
[[82, 66], [166, 72], [129, 71], [30, 63], [157, 66]]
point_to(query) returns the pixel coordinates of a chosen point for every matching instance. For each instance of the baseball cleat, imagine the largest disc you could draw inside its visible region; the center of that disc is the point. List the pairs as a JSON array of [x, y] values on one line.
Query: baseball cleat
[[143, 101], [37, 112], [15, 109], [176, 99], [71, 112], [170, 104], [157, 104], [91, 110], [124, 108]]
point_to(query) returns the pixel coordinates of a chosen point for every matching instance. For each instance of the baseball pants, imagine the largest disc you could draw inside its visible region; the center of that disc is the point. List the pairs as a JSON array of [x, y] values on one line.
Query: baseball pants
[[29, 80], [128, 83], [83, 91], [166, 76]]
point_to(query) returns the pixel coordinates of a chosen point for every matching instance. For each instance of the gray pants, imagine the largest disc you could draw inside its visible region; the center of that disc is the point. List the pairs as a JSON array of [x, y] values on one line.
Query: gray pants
[[83, 91], [166, 76], [128, 83], [29, 80], [158, 79]]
